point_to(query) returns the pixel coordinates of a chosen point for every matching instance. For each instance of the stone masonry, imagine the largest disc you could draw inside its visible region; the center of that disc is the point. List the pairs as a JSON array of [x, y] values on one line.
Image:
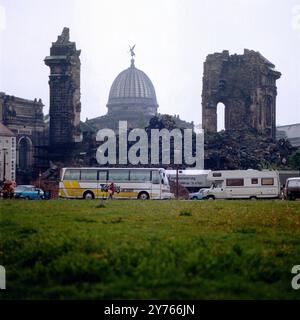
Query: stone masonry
[[246, 85], [65, 106]]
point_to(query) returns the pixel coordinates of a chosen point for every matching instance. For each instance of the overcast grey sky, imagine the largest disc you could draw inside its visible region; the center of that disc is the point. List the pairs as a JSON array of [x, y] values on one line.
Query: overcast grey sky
[[172, 40]]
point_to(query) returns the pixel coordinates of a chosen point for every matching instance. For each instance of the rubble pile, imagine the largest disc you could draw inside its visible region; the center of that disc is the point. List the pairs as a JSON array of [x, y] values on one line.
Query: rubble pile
[[242, 149], [182, 191]]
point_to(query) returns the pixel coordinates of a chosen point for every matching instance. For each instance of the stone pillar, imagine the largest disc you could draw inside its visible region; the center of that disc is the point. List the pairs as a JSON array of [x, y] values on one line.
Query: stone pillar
[[211, 83], [64, 82]]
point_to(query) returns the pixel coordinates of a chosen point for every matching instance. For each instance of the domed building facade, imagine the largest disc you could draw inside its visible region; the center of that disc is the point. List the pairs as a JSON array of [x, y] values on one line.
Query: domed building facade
[[132, 98]]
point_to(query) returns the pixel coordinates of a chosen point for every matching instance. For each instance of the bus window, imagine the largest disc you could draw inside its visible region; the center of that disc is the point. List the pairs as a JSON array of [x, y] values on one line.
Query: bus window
[[118, 175], [164, 178], [155, 177], [140, 175], [72, 174], [102, 175], [88, 175]]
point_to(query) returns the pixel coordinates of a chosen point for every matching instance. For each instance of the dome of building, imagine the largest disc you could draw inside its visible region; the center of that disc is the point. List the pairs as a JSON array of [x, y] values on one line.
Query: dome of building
[[132, 99], [132, 87]]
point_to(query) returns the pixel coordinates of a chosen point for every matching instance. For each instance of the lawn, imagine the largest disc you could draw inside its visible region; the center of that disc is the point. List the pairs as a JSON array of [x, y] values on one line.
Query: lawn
[[74, 249]]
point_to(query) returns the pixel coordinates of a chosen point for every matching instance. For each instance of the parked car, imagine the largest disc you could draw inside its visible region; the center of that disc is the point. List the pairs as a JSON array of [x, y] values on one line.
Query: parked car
[[292, 188], [196, 195], [28, 192]]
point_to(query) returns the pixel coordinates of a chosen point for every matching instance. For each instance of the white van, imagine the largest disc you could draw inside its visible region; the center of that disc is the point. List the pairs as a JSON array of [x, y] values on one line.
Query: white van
[[243, 184]]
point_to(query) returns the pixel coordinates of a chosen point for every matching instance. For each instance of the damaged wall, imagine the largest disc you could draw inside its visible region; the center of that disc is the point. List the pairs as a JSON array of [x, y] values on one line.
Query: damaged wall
[[246, 85]]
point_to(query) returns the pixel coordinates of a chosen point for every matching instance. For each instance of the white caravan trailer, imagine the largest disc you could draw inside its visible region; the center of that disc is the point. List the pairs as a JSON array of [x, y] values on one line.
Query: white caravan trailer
[[244, 184]]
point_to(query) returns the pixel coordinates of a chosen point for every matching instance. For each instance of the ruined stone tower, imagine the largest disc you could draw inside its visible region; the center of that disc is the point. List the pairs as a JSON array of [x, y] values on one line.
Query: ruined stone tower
[[64, 82], [246, 85]]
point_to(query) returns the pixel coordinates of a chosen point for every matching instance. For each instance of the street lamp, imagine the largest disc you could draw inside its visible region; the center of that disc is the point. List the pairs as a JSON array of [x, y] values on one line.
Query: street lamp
[[177, 191], [40, 175], [177, 155]]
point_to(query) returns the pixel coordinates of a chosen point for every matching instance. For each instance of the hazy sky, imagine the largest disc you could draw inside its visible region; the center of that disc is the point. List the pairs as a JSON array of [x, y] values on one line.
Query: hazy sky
[[172, 40]]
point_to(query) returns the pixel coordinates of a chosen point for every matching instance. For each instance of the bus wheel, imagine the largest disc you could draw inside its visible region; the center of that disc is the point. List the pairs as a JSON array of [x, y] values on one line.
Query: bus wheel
[[253, 198], [210, 198], [143, 196], [88, 195]]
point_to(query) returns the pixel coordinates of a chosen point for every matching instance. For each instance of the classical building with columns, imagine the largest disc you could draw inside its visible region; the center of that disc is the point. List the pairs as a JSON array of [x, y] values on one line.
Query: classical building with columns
[[25, 119], [7, 154]]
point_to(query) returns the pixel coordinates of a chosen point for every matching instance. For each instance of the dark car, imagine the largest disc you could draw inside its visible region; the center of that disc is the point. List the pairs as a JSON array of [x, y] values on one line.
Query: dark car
[[292, 188], [28, 192]]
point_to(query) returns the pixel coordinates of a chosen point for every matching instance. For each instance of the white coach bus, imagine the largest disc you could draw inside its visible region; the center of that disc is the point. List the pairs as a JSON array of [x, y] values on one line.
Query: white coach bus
[[244, 184], [90, 183]]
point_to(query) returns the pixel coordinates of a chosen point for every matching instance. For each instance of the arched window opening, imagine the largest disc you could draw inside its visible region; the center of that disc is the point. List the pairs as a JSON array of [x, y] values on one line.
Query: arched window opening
[[24, 153], [220, 116]]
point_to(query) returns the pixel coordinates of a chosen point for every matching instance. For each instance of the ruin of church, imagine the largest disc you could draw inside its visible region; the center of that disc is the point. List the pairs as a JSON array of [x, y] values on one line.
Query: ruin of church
[[64, 83], [246, 85]]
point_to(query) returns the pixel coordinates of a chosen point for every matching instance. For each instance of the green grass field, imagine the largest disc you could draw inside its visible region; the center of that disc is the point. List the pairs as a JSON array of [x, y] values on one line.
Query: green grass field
[[64, 249]]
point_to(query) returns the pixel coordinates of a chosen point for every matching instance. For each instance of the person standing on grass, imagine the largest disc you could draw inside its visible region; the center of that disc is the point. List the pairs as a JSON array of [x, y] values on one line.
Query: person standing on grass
[[7, 189], [111, 190]]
